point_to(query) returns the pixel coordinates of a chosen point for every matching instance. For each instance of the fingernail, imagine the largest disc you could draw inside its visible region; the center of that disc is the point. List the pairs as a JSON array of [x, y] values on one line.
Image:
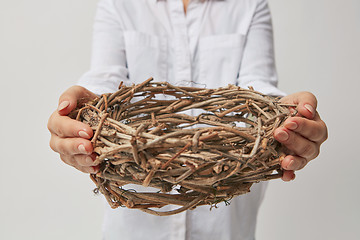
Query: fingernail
[[84, 134], [82, 149], [290, 165], [293, 111], [291, 125], [293, 177], [89, 160], [63, 105], [282, 136], [310, 109], [95, 170]]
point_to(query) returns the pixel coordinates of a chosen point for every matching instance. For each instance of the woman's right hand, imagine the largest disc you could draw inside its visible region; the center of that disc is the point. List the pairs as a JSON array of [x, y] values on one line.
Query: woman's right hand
[[71, 138]]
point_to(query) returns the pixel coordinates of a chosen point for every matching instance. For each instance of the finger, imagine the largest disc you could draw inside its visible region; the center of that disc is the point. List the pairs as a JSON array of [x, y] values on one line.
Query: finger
[[71, 97], [293, 163], [298, 144], [72, 161], [92, 169], [288, 175], [70, 146], [85, 160], [306, 103], [68, 159], [64, 126], [87, 169], [314, 130]]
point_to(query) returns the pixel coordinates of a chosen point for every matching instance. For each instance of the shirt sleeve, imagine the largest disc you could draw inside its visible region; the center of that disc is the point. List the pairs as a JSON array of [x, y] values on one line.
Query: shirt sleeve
[[108, 60], [258, 63]]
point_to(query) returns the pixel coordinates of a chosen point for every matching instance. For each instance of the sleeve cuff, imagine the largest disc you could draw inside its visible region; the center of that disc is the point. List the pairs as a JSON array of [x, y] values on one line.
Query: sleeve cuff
[[264, 86], [100, 81]]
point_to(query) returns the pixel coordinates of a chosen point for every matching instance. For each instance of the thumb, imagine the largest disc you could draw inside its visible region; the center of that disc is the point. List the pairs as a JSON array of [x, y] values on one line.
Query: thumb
[[72, 97], [306, 103]]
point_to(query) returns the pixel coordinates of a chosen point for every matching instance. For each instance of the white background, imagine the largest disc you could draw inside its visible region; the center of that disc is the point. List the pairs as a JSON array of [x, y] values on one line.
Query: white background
[[44, 49]]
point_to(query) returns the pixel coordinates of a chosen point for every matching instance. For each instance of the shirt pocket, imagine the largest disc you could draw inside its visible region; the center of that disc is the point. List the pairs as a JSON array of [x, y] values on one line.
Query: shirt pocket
[[146, 56], [220, 59]]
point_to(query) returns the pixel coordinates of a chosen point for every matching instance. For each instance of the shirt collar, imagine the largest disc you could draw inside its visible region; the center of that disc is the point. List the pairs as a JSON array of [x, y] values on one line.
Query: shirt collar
[[154, 1]]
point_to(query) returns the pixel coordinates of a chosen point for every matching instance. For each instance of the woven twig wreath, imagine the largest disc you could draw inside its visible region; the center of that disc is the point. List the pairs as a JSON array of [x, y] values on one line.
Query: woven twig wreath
[[148, 135]]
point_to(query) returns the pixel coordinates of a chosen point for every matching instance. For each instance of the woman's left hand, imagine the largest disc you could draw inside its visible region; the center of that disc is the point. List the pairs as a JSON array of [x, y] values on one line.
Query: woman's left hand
[[302, 135]]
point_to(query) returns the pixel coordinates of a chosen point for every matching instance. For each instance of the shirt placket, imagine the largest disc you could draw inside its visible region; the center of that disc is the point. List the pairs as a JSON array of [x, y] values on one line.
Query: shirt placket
[[182, 72], [182, 65], [194, 21]]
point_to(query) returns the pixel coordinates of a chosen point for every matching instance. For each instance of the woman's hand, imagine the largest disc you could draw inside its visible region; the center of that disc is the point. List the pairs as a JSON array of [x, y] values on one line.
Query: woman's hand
[[302, 135], [70, 138]]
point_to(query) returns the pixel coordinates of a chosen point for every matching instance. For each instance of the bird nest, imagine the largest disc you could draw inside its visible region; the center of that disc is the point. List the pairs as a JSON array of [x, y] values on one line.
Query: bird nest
[[194, 146]]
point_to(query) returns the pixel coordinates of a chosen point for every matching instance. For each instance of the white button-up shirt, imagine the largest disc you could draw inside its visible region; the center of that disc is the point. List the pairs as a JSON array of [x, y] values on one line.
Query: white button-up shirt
[[216, 43]]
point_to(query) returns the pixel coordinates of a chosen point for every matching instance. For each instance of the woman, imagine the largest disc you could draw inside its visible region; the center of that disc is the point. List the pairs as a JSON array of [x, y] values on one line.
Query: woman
[[202, 42]]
